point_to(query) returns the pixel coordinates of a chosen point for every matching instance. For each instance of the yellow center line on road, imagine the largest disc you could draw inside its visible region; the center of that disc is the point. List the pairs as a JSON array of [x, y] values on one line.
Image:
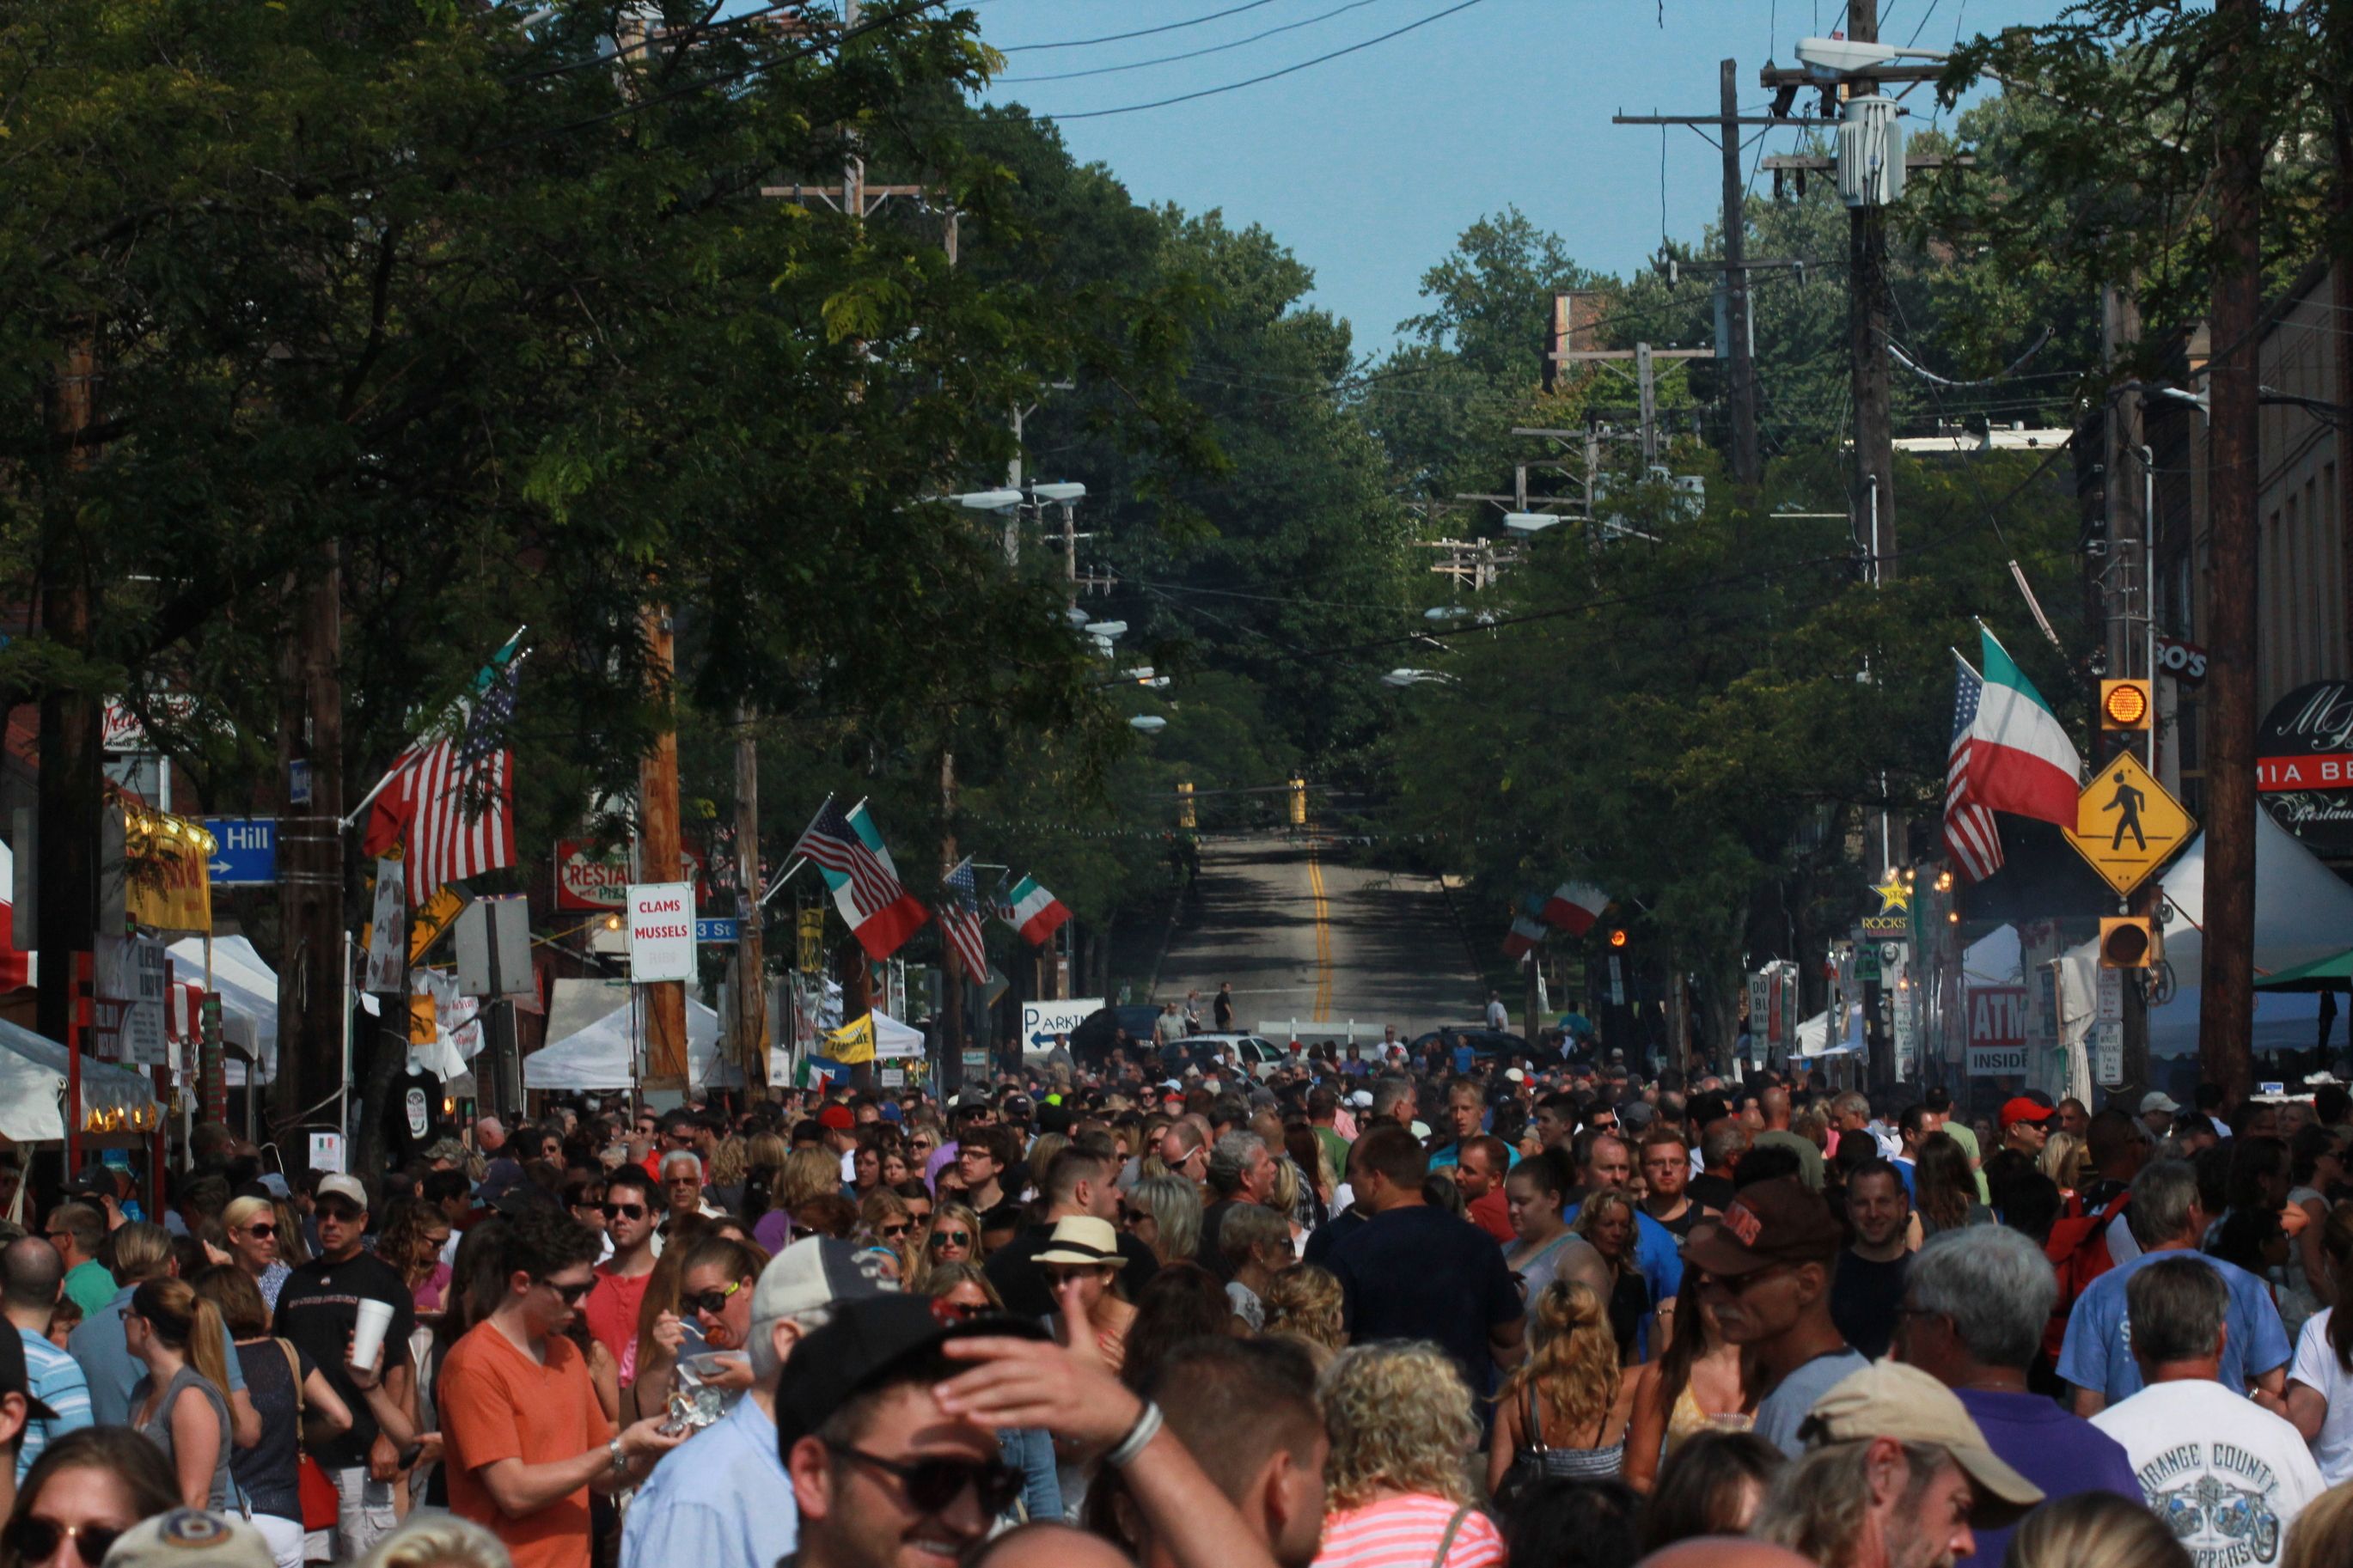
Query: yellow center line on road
[[1323, 911]]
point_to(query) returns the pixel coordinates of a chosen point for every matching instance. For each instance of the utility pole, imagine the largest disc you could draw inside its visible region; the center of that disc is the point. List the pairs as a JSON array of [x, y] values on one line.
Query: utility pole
[[1874, 437], [750, 1047], [2130, 566], [70, 797], [661, 857], [2226, 999], [1747, 466], [310, 844], [952, 978]]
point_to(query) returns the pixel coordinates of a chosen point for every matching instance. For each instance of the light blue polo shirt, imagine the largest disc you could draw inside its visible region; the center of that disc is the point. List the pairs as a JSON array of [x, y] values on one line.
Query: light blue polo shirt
[[721, 1499]]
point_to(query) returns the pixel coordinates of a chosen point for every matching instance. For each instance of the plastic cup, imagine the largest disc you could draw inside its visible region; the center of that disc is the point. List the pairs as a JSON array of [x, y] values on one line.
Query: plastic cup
[[368, 1332]]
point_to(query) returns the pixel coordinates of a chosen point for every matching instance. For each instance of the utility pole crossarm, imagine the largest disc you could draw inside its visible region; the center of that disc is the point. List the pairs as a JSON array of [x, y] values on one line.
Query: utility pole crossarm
[[1798, 121], [1568, 354]]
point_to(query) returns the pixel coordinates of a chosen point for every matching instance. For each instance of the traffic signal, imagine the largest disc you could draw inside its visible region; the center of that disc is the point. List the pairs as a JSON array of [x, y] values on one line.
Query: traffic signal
[[2127, 942], [1185, 805], [1299, 803], [2125, 705], [1617, 936]]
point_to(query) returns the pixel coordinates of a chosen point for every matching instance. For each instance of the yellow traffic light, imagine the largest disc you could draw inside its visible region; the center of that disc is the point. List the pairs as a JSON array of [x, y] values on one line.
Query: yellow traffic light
[[1185, 805], [2125, 705], [2127, 942], [1299, 803], [1617, 936]]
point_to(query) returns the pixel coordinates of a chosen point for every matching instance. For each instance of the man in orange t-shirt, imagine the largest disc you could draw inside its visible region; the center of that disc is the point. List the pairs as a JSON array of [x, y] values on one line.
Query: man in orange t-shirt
[[524, 1437]]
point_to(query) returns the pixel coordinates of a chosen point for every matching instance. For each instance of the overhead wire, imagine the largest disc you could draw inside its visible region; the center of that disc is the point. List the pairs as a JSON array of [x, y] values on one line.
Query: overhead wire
[[1138, 32], [1269, 75], [1189, 53]]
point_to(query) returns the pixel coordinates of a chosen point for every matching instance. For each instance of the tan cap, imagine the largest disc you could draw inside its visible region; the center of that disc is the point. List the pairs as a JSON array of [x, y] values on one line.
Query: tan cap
[[347, 1188], [1889, 1399], [190, 1537]]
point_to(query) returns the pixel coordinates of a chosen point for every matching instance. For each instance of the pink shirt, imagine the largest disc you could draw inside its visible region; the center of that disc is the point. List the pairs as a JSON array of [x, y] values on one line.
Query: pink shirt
[[1404, 1532]]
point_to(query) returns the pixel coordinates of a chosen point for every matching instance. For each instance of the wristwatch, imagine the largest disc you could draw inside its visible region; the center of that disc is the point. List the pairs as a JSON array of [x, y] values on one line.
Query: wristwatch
[[620, 1460]]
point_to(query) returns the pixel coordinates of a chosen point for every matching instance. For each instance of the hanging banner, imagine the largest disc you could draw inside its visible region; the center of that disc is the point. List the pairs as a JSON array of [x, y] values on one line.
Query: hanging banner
[[167, 877], [386, 961]]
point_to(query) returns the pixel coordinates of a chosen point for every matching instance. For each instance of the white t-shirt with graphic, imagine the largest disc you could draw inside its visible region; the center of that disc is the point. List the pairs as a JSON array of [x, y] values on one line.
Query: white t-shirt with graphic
[[2226, 1476]]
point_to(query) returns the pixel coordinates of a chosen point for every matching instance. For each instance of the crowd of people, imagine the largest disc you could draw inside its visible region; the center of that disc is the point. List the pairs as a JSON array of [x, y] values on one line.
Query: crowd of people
[[1359, 1310]]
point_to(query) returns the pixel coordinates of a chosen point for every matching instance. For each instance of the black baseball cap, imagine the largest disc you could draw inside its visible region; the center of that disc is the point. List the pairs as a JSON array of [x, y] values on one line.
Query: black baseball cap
[[865, 1343], [14, 1378]]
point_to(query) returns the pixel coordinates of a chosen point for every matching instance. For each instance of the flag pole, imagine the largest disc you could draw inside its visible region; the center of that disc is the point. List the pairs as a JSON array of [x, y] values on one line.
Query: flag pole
[[799, 860], [404, 762]]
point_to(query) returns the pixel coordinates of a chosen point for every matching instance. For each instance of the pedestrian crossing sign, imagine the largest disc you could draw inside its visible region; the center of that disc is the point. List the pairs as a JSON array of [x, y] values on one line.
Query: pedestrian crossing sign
[[2127, 825]]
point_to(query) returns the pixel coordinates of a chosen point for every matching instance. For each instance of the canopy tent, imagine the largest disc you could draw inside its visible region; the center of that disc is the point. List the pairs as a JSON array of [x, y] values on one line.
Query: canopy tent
[[2304, 912], [33, 1086], [2332, 973], [599, 1047], [249, 994]]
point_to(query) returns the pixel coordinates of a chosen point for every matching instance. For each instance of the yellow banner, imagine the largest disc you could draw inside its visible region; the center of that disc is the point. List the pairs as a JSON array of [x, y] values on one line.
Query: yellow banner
[[168, 884], [852, 1042]]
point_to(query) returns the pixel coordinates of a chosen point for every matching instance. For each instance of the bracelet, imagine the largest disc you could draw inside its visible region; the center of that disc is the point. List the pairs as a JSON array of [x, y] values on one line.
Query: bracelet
[[1139, 1437]]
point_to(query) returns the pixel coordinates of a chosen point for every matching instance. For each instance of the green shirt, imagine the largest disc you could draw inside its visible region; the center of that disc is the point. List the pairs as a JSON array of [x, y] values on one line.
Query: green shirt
[[90, 1287], [1335, 1149]]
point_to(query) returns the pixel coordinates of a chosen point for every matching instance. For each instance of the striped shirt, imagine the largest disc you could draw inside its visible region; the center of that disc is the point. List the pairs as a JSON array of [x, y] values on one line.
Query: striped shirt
[[1404, 1532], [56, 1380]]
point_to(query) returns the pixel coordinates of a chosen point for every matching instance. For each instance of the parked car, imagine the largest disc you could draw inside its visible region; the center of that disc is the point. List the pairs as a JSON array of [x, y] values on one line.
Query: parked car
[[1255, 1054], [1484, 1041], [1092, 1041]]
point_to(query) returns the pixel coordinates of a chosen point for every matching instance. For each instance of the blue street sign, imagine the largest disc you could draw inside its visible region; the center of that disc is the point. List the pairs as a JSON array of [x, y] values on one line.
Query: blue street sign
[[707, 929], [245, 850]]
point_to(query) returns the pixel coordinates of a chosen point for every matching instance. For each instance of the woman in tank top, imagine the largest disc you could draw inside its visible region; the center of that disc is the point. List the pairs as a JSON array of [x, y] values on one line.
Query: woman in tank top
[[182, 1404], [1697, 1385], [1566, 1406]]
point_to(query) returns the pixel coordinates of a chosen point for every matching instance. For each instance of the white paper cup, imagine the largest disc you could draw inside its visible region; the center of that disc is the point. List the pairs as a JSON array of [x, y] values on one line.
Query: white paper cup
[[367, 1333]]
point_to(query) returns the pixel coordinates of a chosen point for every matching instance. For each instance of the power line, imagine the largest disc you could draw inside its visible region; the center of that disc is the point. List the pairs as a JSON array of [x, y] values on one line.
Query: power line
[[1189, 53], [1270, 76], [1139, 33]]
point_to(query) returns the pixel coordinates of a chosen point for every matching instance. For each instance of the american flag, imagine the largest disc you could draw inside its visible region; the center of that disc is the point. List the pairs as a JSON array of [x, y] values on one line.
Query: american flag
[[450, 799], [833, 844], [959, 915], [1970, 832]]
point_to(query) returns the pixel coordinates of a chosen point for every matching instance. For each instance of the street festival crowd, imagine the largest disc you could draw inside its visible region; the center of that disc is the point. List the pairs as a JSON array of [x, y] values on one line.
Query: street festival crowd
[[1367, 1307]]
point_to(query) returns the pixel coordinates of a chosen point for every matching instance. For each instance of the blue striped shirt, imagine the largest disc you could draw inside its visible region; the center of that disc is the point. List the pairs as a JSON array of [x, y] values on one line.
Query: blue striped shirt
[[56, 1380]]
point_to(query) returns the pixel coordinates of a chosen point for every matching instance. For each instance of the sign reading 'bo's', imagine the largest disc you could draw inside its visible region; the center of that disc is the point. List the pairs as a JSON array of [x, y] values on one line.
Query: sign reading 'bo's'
[[1997, 1031], [661, 931]]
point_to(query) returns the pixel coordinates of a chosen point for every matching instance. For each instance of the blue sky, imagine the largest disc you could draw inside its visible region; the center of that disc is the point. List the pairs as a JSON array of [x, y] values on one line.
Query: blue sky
[[1369, 166]]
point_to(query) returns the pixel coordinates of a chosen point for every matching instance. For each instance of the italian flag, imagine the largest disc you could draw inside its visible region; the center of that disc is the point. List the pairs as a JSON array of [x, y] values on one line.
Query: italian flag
[[1035, 913], [1575, 905], [2021, 761], [1525, 935]]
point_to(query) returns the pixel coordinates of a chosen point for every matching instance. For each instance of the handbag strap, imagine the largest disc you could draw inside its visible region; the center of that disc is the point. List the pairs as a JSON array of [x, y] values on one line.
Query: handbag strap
[[294, 1366], [1532, 1420], [1446, 1542]]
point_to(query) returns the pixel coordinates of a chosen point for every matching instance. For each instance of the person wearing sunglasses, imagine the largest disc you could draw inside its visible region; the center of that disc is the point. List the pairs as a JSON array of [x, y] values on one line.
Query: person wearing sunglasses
[[252, 1227], [954, 1237], [516, 1402], [319, 1310], [81, 1494], [887, 1420], [611, 1308]]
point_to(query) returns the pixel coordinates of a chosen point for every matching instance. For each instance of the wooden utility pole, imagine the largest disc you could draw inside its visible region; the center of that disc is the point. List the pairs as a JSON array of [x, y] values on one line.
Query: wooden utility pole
[[72, 794], [952, 977], [1748, 465], [750, 1045], [661, 857], [2226, 998], [2127, 567], [310, 846], [1874, 437]]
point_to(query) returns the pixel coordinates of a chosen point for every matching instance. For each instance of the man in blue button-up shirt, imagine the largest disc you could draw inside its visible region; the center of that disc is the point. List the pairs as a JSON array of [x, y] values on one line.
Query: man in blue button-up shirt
[[721, 1500]]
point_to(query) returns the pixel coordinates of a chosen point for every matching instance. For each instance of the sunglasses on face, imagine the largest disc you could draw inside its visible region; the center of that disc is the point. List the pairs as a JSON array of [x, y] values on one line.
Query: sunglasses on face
[[1134, 1216], [37, 1539], [339, 1213], [625, 1211], [263, 1231], [943, 1239], [934, 1484], [571, 1293], [896, 1229], [710, 1304]]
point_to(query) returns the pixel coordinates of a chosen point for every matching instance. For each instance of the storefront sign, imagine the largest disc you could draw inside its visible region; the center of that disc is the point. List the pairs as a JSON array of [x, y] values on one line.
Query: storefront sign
[[1997, 1040], [2304, 765], [589, 878]]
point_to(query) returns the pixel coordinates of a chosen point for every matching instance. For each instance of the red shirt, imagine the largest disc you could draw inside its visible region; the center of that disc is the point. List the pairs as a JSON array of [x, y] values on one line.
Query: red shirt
[[610, 1309], [1491, 1215]]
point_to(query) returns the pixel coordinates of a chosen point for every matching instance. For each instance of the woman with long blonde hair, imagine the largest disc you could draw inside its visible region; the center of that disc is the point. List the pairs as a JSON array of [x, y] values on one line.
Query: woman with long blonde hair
[[1305, 1303], [1563, 1411], [182, 1404], [952, 1236], [1606, 1219], [1401, 1420]]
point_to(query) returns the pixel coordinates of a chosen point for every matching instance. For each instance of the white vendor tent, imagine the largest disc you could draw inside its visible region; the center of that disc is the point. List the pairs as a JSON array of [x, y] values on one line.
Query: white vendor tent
[[2303, 911], [599, 1039], [249, 994], [33, 1086]]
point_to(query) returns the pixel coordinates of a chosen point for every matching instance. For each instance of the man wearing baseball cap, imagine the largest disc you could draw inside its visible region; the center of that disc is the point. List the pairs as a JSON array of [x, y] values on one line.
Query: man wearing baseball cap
[[2157, 1110], [887, 1416], [1768, 1261], [188, 1538], [694, 1508], [1901, 1441], [2026, 1125], [318, 1308]]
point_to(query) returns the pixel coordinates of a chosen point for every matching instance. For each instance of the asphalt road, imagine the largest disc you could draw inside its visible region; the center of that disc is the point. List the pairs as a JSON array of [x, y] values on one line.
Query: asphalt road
[[1300, 936]]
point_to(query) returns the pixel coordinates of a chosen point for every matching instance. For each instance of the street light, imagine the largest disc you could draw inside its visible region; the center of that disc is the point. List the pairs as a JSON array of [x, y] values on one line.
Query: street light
[[1402, 679], [1830, 58], [988, 500], [1147, 723], [1065, 493], [1529, 523]]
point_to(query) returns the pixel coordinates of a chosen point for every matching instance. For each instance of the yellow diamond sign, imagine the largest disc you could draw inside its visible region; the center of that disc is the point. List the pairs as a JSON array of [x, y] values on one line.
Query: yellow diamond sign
[[2126, 824]]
